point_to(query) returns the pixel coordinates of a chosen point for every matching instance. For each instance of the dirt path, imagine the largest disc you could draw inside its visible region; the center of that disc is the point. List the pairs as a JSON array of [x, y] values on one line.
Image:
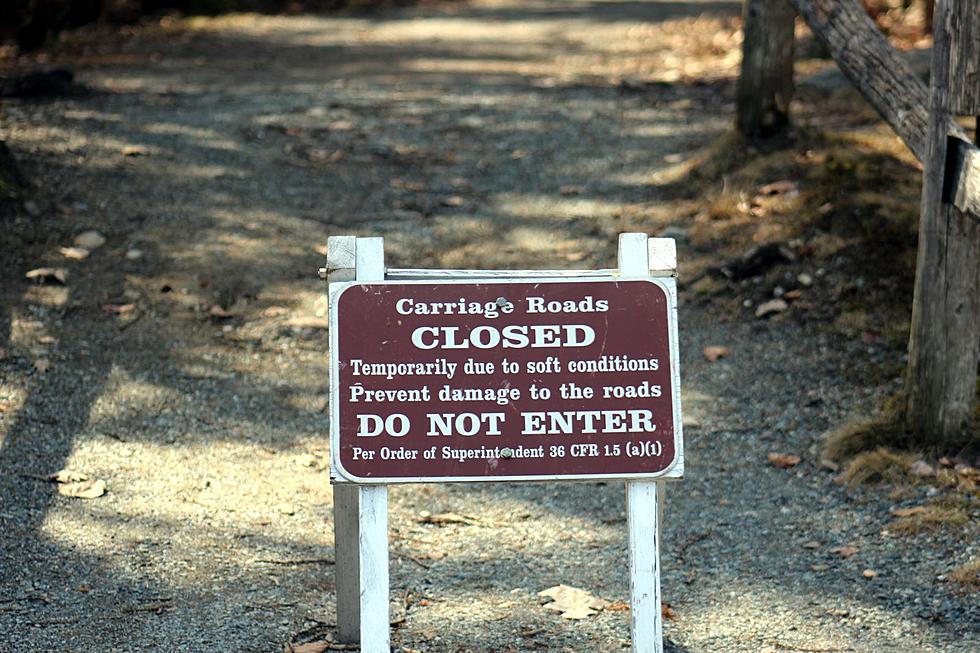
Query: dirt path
[[192, 377]]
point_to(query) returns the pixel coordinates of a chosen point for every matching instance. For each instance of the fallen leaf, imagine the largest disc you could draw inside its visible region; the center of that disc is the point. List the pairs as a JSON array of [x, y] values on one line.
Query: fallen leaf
[[908, 512], [454, 200], [969, 471], [869, 573], [667, 612], [274, 311], [135, 150], [65, 476], [793, 294], [47, 275], [309, 323], [714, 352], [426, 517], [811, 545], [74, 253], [90, 240], [42, 365], [220, 313], [92, 489], [118, 309], [784, 460], [572, 602], [308, 647], [618, 606], [845, 551], [771, 307], [780, 187], [819, 567]]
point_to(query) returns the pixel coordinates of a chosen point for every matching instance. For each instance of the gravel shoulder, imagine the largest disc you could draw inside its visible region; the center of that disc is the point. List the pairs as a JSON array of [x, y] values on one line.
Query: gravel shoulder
[[192, 378]]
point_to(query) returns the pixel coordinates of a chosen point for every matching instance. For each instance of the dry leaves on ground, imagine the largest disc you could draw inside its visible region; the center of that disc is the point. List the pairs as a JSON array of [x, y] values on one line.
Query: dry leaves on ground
[[426, 517], [309, 322], [908, 512], [771, 307], [309, 647], [713, 353], [845, 551], [91, 489], [74, 253], [784, 460], [785, 186], [572, 602], [48, 275], [77, 484]]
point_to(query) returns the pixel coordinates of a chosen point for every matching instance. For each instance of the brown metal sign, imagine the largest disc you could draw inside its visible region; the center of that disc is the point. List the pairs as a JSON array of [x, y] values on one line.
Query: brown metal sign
[[511, 380]]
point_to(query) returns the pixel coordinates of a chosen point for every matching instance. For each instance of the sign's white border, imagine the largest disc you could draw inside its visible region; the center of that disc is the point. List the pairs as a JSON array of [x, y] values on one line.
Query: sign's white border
[[340, 475]]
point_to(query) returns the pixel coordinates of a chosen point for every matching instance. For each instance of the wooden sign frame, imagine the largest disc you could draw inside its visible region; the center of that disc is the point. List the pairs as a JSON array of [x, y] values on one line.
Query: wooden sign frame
[[361, 510]]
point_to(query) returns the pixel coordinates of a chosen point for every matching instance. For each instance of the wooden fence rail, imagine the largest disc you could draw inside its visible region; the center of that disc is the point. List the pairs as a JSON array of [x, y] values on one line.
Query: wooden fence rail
[[944, 346]]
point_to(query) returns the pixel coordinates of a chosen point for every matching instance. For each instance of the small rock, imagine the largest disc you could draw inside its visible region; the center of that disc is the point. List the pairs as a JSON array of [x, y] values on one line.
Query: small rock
[[90, 240], [771, 307], [805, 279], [134, 254], [869, 573], [32, 208]]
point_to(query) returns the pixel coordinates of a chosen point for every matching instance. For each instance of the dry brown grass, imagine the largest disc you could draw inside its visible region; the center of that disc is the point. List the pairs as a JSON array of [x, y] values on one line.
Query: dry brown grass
[[879, 466], [949, 511], [967, 576]]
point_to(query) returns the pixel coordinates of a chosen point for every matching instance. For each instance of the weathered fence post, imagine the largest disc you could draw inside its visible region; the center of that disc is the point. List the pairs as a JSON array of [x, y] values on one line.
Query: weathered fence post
[[944, 344], [765, 85]]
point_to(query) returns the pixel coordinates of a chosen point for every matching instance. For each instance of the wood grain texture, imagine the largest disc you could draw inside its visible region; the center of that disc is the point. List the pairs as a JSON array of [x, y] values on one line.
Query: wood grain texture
[[963, 185], [944, 343], [644, 512], [874, 68], [765, 83], [373, 506], [642, 516], [373, 523], [341, 259], [964, 57]]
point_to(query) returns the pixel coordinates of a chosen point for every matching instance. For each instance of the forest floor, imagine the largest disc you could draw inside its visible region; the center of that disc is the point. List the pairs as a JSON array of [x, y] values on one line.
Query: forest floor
[[183, 361]]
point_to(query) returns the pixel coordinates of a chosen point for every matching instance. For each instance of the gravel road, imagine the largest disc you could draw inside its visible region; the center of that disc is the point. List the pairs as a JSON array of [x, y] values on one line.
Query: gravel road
[[184, 361]]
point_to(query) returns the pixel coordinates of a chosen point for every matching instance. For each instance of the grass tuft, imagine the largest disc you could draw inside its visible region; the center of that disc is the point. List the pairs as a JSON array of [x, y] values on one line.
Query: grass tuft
[[879, 466], [949, 511], [967, 576]]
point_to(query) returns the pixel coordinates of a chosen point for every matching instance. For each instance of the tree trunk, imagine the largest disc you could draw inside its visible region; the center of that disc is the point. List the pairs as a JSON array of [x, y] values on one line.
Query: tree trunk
[[765, 85]]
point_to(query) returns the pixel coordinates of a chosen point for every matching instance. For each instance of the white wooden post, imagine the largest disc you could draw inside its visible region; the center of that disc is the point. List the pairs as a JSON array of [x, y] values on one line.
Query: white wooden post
[[642, 505], [373, 508], [341, 261], [360, 512]]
